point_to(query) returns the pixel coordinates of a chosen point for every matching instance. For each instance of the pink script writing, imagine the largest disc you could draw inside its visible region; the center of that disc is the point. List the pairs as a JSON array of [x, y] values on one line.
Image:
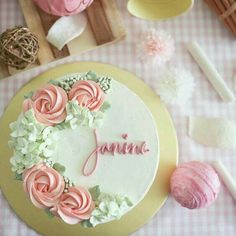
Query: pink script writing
[[113, 148]]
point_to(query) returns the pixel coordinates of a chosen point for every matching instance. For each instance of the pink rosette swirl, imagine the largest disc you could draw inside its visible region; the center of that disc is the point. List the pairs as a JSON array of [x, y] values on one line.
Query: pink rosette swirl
[[49, 105], [74, 206], [44, 185], [195, 185], [88, 94]]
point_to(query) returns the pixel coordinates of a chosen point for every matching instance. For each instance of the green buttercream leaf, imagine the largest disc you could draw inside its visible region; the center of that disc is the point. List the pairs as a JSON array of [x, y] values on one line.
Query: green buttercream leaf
[[86, 224], [129, 203], [91, 75], [105, 107], [54, 82], [61, 126], [49, 213], [95, 192], [18, 177], [29, 95], [60, 168]]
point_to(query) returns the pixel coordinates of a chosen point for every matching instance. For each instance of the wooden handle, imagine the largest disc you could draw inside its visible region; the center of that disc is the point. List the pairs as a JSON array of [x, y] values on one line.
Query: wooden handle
[[34, 23], [218, 7], [114, 18], [228, 4], [228, 20], [99, 23]]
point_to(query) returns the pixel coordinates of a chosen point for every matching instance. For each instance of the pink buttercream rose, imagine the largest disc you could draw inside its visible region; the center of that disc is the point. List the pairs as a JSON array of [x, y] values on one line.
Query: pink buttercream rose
[[48, 103], [74, 206], [44, 185], [88, 94]]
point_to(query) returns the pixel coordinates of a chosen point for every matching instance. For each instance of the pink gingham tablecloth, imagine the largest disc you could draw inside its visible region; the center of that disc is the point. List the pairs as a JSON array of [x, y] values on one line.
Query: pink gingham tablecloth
[[199, 24]]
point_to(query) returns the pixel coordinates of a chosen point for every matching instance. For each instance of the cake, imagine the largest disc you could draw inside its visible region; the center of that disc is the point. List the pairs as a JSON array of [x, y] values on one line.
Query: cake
[[85, 148]]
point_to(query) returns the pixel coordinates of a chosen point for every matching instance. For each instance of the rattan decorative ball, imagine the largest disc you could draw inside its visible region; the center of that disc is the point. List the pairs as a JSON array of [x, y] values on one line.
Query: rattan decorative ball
[[18, 47]]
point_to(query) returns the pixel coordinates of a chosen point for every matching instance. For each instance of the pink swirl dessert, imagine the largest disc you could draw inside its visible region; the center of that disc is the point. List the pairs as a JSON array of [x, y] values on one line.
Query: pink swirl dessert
[[195, 185], [63, 7]]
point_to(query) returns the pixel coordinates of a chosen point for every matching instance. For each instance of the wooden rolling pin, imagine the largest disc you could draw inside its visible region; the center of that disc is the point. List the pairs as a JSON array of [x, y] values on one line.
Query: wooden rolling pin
[[226, 10]]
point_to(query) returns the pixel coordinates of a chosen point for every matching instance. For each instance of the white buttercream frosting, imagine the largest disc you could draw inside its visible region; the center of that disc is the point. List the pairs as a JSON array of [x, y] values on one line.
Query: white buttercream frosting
[[125, 175]]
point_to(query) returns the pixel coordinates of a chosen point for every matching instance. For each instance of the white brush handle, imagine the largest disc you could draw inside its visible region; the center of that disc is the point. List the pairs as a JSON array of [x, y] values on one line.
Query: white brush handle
[[210, 71], [226, 177]]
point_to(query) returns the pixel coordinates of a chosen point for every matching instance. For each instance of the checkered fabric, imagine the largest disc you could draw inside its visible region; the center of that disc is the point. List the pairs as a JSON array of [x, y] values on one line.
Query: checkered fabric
[[199, 24]]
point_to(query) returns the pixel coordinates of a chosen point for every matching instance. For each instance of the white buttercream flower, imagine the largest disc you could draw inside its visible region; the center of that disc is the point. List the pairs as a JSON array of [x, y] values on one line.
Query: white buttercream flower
[[175, 86]]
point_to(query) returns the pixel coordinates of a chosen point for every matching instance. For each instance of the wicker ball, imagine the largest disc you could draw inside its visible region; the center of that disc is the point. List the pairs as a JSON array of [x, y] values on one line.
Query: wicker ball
[[18, 47]]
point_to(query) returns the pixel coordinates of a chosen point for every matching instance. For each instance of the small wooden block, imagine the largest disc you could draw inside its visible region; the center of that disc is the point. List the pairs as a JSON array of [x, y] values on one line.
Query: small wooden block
[[99, 23], [114, 18], [4, 72], [83, 43]]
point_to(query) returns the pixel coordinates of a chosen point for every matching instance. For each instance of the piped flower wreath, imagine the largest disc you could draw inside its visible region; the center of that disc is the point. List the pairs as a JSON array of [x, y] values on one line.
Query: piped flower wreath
[[78, 100]]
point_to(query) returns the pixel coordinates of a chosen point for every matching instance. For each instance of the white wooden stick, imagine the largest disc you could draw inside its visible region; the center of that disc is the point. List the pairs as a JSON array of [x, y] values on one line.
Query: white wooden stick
[[210, 71], [226, 177], [234, 78]]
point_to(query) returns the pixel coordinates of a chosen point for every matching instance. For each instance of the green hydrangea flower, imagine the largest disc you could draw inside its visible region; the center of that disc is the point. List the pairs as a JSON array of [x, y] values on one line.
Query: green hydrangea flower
[[31, 142], [109, 207], [81, 116]]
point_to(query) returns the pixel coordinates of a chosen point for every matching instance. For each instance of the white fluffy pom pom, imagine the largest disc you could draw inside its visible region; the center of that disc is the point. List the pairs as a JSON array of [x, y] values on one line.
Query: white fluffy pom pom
[[175, 86], [156, 47]]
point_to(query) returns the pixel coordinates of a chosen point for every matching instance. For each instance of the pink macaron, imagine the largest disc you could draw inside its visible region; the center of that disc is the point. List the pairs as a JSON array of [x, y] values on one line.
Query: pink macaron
[[63, 7], [195, 185]]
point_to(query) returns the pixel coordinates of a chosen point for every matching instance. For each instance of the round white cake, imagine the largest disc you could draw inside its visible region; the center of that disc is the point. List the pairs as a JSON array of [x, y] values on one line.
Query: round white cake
[[128, 175], [116, 159]]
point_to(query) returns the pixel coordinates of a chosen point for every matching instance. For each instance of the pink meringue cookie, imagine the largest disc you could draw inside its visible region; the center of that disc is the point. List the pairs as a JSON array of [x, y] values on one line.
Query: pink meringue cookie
[[195, 185], [63, 7]]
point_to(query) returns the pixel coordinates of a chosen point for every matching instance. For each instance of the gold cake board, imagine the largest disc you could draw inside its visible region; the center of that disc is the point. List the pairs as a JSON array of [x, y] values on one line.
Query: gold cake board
[[136, 218]]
